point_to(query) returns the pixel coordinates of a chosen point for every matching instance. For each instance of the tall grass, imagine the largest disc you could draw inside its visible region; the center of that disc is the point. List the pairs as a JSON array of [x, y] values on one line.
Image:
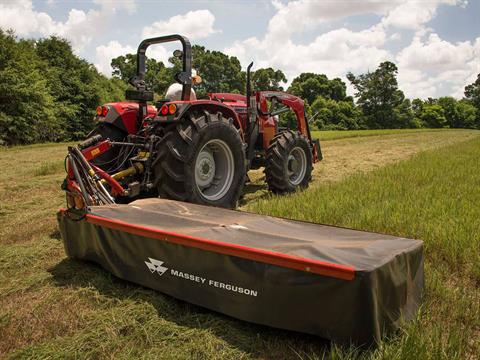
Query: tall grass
[[435, 197]]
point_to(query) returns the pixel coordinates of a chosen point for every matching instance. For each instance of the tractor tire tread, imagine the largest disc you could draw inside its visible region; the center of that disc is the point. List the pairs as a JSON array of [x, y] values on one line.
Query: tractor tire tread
[[175, 167], [276, 161]]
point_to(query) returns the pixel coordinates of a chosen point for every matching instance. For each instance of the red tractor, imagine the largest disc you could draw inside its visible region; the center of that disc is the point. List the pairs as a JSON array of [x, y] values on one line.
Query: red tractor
[[190, 150]]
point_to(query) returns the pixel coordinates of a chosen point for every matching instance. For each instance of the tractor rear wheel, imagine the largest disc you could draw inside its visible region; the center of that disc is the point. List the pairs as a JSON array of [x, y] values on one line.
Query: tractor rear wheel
[[201, 160], [288, 162]]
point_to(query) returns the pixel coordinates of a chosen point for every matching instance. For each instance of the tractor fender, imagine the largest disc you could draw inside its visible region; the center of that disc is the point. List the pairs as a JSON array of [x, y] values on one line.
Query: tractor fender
[[123, 115], [212, 107]]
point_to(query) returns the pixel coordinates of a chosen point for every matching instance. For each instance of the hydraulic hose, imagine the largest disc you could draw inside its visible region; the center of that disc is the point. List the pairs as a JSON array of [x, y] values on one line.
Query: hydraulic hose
[[85, 194]]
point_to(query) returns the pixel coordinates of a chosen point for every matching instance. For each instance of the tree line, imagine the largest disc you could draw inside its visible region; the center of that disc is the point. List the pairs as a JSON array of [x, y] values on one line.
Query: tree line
[[47, 93]]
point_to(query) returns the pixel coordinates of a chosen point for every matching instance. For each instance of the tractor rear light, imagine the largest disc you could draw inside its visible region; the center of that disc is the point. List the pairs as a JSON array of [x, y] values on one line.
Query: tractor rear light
[[164, 110], [172, 108], [104, 111]]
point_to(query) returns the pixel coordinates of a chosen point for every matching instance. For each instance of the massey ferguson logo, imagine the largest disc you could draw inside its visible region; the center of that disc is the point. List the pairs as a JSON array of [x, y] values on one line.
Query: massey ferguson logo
[[156, 266]]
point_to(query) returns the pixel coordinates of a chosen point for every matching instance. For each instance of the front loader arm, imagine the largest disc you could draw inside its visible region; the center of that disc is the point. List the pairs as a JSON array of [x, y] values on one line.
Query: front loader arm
[[291, 101], [297, 105]]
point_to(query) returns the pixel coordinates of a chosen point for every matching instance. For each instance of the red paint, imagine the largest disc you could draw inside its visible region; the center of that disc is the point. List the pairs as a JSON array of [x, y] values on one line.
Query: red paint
[[228, 97], [96, 150], [117, 189], [128, 112]]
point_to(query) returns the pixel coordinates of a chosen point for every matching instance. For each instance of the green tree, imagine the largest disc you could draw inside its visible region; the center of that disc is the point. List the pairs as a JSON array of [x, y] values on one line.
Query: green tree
[[381, 100], [472, 93], [26, 107], [335, 115], [46, 92], [124, 66], [406, 115], [75, 84], [433, 116], [309, 85], [458, 113], [451, 110], [469, 115], [268, 79], [219, 72], [472, 96], [157, 77]]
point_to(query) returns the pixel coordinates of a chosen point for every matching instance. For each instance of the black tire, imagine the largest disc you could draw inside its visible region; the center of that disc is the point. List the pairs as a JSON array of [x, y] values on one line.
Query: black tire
[[179, 153], [279, 159], [106, 161]]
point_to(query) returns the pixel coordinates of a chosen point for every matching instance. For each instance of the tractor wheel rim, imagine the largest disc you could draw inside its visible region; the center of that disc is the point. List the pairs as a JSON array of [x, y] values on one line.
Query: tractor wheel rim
[[214, 170], [296, 166]]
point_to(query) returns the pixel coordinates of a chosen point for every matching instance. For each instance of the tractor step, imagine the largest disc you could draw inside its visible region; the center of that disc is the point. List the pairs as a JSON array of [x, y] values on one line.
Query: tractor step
[[338, 283]]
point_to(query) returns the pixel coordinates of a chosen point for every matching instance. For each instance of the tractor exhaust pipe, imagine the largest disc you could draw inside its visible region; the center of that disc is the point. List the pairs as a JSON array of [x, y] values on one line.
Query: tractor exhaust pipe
[[251, 104], [249, 85], [252, 124]]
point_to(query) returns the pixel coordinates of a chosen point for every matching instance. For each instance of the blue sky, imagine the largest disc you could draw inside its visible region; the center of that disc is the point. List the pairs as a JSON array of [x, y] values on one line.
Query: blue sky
[[435, 43]]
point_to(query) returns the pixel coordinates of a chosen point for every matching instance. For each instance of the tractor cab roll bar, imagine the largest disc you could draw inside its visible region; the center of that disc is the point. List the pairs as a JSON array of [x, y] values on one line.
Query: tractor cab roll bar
[[184, 77]]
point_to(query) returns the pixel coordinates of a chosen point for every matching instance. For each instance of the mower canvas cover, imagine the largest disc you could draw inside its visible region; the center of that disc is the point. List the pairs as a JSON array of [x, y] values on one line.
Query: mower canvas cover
[[340, 284]]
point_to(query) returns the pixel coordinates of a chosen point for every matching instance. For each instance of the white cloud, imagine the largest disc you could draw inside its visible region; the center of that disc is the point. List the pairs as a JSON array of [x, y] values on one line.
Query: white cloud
[[332, 53], [298, 16], [395, 36], [130, 6], [411, 14], [435, 54], [20, 17], [196, 24], [159, 53], [336, 52], [428, 66], [79, 28], [432, 67], [105, 54]]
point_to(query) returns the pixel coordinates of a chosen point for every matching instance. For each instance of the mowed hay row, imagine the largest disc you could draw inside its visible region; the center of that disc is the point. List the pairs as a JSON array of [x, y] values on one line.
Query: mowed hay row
[[30, 190], [53, 307]]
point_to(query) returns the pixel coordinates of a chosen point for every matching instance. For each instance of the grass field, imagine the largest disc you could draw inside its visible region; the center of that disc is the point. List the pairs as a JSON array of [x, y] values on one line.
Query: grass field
[[333, 135], [422, 185]]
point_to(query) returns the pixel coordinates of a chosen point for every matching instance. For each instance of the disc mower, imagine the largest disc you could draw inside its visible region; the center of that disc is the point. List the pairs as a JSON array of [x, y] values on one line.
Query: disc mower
[[188, 149]]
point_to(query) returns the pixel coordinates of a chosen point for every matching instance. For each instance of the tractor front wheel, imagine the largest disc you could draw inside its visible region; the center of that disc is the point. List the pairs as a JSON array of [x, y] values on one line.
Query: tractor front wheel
[[202, 161], [288, 162]]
